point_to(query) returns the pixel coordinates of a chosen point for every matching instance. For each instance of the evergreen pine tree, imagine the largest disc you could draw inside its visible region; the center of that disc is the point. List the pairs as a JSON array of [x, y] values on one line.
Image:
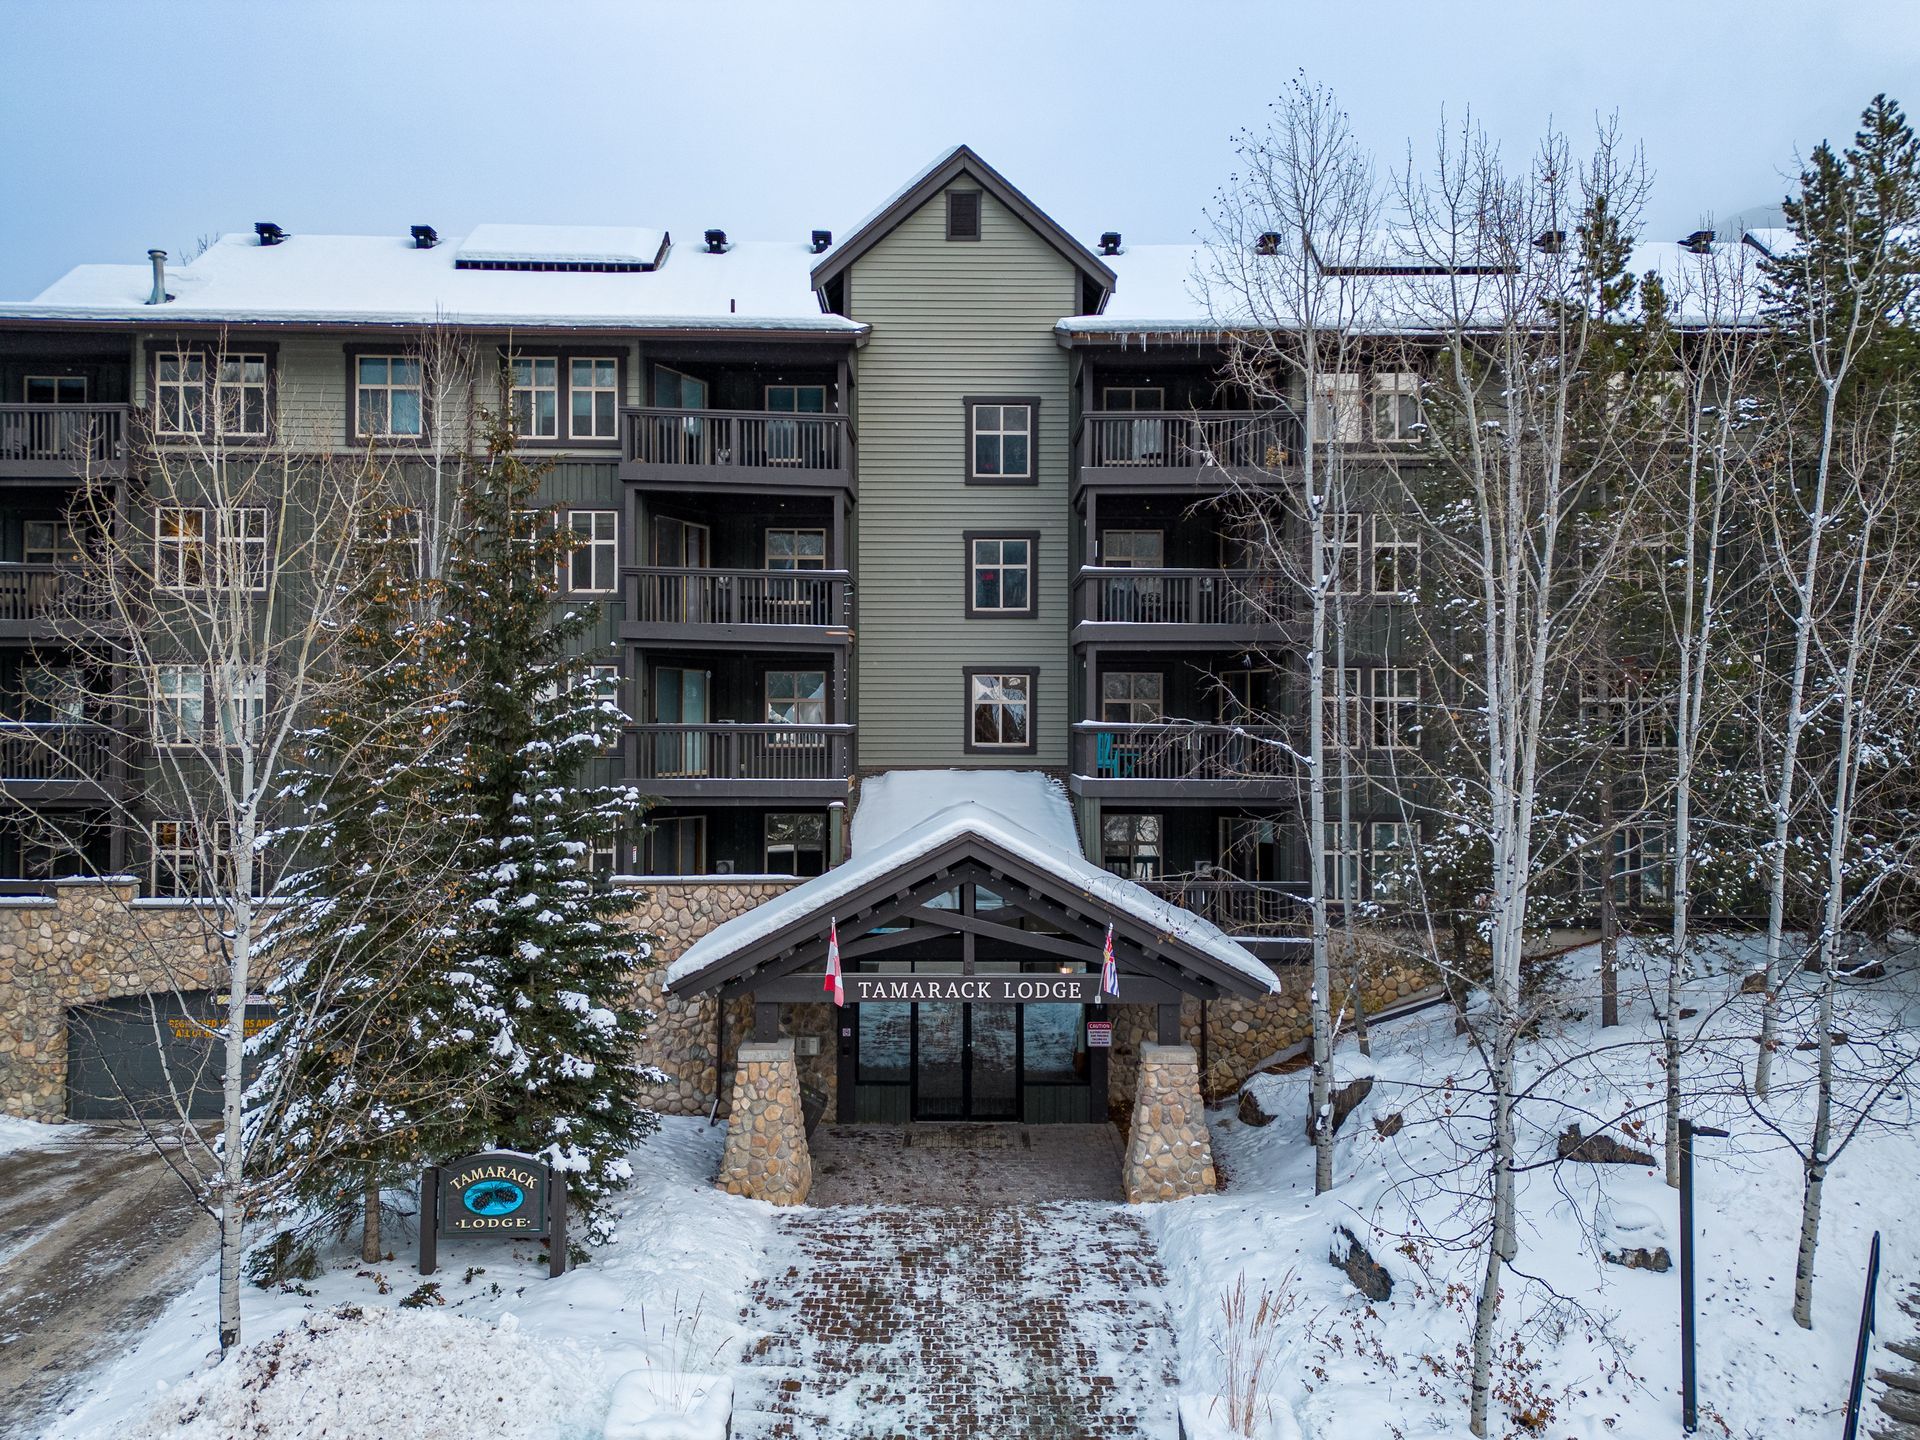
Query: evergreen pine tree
[[543, 935]]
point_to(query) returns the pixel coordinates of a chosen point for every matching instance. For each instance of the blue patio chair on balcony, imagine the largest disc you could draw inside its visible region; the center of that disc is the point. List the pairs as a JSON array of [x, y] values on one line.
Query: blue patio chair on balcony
[[1111, 760]]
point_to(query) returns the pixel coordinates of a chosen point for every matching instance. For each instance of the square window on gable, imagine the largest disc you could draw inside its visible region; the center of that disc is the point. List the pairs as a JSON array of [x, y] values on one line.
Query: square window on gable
[[963, 214]]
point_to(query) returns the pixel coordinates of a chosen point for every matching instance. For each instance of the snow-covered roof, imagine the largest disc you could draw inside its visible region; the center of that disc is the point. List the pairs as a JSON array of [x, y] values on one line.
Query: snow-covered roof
[[560, 245], [905, 815], [387, 280]]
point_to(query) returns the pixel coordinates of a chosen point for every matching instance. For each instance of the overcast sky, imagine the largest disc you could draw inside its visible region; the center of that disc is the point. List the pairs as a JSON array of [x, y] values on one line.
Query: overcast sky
[[135, 124]]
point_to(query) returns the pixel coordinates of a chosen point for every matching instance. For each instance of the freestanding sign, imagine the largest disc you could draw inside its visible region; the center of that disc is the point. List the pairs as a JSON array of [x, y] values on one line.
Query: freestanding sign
[[494, 1193]]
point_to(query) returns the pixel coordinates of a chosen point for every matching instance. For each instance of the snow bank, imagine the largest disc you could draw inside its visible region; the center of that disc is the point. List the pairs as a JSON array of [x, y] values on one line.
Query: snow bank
[[664, 1297], [28, 1134]]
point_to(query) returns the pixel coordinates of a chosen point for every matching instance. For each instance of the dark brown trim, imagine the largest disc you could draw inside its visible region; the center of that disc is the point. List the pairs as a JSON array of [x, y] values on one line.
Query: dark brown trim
[[353, 437], [1032, 672], [960, 161], [211, 350], [1031, 610], [979, 213], [563, 357], [1032, 402]]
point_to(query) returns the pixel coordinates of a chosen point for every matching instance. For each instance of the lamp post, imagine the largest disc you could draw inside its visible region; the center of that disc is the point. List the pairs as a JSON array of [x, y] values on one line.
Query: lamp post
[[1689, 1393]]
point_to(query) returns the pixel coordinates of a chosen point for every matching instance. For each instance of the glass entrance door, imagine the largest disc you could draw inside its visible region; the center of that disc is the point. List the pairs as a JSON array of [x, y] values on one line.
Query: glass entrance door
[[966, 1062]]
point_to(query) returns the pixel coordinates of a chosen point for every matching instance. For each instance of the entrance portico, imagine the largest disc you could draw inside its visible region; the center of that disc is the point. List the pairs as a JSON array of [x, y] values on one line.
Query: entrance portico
[[971, 932]]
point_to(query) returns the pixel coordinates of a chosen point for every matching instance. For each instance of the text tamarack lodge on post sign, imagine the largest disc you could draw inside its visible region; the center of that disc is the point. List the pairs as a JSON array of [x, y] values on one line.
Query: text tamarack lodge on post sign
[[495, 1194]]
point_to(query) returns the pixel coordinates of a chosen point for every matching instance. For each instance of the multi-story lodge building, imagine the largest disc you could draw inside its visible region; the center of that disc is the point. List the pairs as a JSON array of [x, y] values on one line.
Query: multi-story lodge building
[[928, 495]]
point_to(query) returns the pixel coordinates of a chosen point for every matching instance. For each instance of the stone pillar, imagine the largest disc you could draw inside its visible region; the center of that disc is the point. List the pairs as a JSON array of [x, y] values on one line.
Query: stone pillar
[[766, 1154], [1169, 1152]]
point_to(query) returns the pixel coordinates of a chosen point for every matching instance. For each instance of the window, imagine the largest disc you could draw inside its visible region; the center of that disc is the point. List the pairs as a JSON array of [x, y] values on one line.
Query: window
[[397, 538], [1133, 549], [1130, 845], [176, 858], [1132, 697], [593, 565], [593, 397], [963, 214], [243, 548], [1000, 575], [796, 549], [535, 397], [603, 855], [1000, 447], [1336, 407], [54, 389], [1614, 706], [1000, 710], [796, 697], [1345, 551], [796, 844], [1396, 709], [1396, 557], [240, 699], [677, 846], [179, 547], [792, 442], [240, 395], [179, 704], [1343, 707], [179, 392], [1132, 442], [1390, 846], [1343, 860], [48, 542], [388, 399], [1396, 407]]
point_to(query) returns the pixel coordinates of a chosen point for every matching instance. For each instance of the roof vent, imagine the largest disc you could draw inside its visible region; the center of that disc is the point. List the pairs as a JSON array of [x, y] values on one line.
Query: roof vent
[[159, 295], [1700, 242], [269, 233], [1267, 242], [716, 242], [1550, 242], [1109, 242], [425, 237], [822, 240]]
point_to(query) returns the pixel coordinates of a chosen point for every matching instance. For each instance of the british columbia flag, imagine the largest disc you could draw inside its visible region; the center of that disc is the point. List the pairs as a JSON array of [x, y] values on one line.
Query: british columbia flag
[[1109, 972], [836, 984]]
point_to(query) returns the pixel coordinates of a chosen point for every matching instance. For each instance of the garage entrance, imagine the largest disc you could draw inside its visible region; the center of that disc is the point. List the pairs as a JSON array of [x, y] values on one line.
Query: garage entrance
[[145, 1055]]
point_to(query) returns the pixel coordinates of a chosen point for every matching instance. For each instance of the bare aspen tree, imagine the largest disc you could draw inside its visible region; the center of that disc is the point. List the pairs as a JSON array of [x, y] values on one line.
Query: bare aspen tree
[[1286, 233]]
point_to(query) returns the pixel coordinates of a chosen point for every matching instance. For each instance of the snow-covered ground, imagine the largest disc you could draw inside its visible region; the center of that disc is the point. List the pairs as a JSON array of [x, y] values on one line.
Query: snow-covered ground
[[496, 1349], [27, 1134], [1594, 1345]]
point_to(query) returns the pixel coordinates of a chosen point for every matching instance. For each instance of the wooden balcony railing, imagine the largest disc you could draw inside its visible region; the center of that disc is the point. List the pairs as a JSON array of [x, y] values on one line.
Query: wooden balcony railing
[[1183, 750], [57, 438], [1239, 907], [36, 593], [60, 752], [658, 595], [1180, 597], [737, 439], [1177, 440], [728, 751]]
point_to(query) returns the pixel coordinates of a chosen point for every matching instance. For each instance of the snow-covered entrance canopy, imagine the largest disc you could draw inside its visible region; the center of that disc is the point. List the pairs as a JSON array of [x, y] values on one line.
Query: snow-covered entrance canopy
[[921, 835]]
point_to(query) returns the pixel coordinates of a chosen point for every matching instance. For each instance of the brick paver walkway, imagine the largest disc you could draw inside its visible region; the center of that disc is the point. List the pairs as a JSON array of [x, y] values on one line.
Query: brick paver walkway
[[1008, 1312]]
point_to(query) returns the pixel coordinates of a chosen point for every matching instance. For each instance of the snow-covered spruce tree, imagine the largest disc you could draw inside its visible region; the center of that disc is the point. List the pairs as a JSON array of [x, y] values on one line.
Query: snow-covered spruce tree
[[542, 939], [379, 1050]]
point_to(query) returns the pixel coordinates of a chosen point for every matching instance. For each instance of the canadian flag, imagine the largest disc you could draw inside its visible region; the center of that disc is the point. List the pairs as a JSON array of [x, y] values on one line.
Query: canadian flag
[[836, 983]]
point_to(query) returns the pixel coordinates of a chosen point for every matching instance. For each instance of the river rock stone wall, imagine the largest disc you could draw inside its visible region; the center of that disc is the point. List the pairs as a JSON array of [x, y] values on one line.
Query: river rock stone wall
[[766, 1155], [1169, 1151]]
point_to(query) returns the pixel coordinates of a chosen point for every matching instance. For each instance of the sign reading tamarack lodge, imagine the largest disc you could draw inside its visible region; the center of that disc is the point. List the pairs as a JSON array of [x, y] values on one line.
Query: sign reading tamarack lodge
[[495, 1194], [992, 989]]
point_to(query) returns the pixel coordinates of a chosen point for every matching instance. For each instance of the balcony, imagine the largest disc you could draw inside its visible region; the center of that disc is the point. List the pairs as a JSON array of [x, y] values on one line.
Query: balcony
[[54, 761], [730, 761], [1178, 607], [1176, 759], [1160, 449], [748, 608], [737, 449], [1259, 908], [40, 602], [62, 442]]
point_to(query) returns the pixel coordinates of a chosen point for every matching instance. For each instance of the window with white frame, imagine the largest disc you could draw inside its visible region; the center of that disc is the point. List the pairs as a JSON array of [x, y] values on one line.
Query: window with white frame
[[1000, 441], [1132, 697], [1343, 707], [1396, 407], [1000, 710], [524, 538], [180, 392], [240, 700], [240, 395], [593, 566], [1395, 709], [1133, 549], [1344, 529], [795, 844], [1343, 860], [1337, 406], [1614, 706], [176, 858], [243, 548], [1000, 570], [397, 539], [535, 396], [1396, 557], [389, 402], [1130, 845], [796, 697], [179, 704], [179, 547], [1390, 858], [593, 397]]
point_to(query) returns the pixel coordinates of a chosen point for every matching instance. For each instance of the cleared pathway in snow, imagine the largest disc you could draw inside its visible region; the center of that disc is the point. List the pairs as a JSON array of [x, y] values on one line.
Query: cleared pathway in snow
[[960, 1283]]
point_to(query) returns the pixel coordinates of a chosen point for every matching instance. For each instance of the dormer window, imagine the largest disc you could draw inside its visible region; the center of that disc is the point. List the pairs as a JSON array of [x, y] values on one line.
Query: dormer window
[[963, 215]]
